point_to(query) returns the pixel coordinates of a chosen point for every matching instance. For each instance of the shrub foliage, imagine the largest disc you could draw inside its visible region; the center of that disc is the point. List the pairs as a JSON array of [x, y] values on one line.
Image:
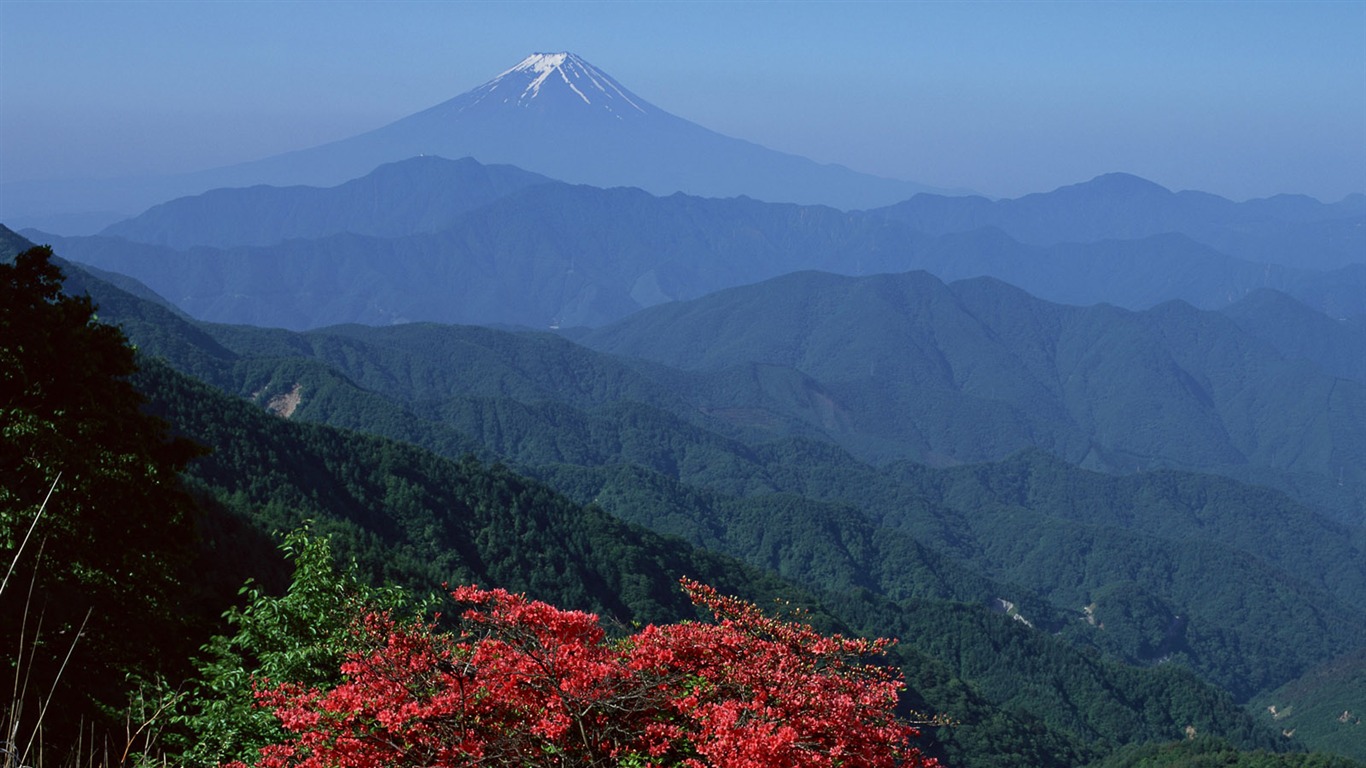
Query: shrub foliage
[[521, 682]]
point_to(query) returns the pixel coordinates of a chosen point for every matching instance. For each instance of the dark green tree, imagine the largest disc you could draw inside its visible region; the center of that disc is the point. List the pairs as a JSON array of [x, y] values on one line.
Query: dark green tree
[[99, 577]]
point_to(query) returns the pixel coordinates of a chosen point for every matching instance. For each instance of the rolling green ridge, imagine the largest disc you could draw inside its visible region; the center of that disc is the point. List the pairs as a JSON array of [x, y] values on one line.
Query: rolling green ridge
[[1135, 585], [1184, 593], [412, 517], [421, 520], [977, 369], [1203, 752], [1335, 344], [417, 519], [1144, 549], [1324, 708], [983, 371]]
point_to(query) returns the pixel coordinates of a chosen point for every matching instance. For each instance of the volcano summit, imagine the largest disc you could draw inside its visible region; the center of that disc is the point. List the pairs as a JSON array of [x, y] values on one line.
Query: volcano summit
[[568, 69], [552, 113]]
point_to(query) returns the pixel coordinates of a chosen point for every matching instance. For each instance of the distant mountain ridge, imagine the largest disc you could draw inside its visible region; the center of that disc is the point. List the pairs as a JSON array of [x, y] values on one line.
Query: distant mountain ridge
[[553, 113], [1209, 389], [421, 194], [1289, 230], [1335, 345], [547, 255], [430, 239], [976, 369]]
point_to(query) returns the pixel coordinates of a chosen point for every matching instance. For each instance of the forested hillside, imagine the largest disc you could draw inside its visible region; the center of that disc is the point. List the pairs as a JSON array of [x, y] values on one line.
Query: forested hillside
[[1322, 707], [416, 519], [420, 520], [973, 370], [1150, 569]]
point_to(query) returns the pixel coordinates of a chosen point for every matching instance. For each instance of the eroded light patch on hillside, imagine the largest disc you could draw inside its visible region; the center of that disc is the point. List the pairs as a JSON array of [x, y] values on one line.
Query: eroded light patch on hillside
[[286, 403]]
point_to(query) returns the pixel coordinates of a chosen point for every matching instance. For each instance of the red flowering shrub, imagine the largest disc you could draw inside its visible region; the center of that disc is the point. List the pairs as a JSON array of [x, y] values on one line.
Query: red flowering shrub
[[524, 683]]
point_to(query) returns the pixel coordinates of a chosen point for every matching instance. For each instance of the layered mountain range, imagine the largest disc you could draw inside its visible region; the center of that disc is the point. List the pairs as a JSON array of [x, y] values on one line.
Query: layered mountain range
[[454, 241], [1246, 586], [1098, 454], [552, 113], [1287, 230]]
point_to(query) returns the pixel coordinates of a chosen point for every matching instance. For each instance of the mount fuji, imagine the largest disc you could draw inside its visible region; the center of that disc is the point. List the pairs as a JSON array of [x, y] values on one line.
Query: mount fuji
[[552, 113]]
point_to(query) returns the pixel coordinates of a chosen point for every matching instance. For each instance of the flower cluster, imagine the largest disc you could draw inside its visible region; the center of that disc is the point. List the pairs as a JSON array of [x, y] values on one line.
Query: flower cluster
[[524, 683]]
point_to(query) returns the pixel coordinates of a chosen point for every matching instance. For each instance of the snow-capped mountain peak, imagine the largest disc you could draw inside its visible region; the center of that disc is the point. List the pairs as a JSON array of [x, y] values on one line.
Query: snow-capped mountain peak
[[561, 73], [551, 113]]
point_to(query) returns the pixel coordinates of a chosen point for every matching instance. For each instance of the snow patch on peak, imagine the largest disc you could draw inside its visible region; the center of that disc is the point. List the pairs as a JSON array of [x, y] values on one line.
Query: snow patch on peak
[[540, 63], [583, 79]]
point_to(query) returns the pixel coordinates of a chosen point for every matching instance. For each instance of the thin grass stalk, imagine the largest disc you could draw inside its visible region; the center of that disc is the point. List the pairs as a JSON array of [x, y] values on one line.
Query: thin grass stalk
[[166, 703], [23, 672], [23, 633], [31, 526], [43, 712]]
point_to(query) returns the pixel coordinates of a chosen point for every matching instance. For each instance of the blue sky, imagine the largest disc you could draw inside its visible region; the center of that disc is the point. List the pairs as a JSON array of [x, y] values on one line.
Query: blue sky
[[1244, 99]]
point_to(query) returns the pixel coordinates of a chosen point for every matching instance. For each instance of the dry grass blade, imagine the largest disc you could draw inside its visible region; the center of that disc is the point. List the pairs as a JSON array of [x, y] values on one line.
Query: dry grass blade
[[37, 727], [20, 551]]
